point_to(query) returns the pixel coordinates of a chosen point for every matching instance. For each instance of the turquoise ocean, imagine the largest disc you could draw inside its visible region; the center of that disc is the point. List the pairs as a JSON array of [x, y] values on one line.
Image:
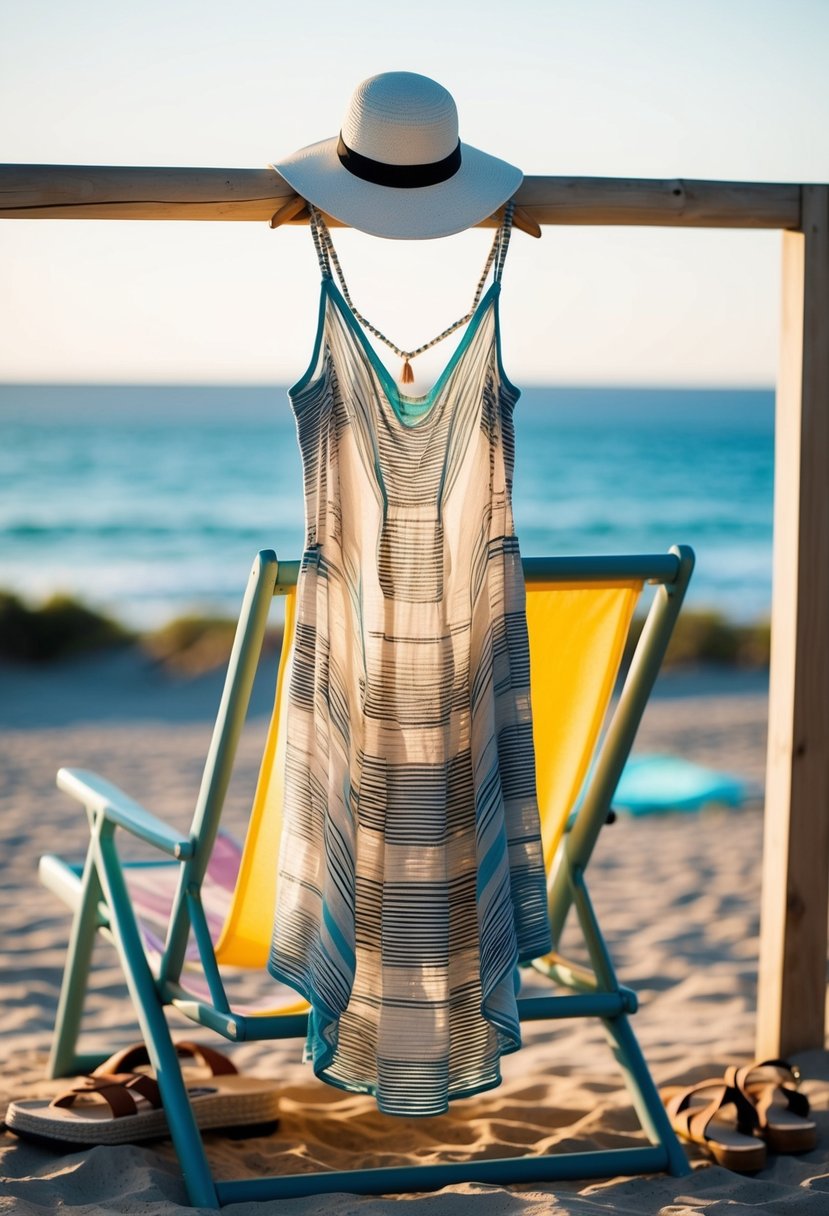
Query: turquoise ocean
[[150, 501]]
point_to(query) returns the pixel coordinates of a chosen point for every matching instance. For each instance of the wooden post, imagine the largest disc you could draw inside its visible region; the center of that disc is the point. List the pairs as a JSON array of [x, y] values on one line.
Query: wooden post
[[792, 983]]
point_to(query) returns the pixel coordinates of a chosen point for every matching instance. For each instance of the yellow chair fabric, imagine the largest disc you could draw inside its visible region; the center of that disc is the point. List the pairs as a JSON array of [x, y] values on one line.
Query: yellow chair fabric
[[577, 636], [246, 935]]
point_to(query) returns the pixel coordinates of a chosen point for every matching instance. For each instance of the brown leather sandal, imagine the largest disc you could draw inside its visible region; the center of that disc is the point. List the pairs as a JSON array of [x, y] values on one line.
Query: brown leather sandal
[[782, 1110], [211, 1063], [720, 1119]]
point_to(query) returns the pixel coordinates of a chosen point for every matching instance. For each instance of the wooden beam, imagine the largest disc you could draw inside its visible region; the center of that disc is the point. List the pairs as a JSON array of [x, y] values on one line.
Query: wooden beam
[[674, 202], [792, 982], [120, 193], [115, 193]]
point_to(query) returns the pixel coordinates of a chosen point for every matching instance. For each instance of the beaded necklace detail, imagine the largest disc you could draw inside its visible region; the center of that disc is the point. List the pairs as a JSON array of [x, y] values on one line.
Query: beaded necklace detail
[[327, 256]]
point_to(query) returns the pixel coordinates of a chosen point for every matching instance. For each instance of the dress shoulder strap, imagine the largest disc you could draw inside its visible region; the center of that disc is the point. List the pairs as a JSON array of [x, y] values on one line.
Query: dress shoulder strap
[[327, 257], [322, 237], [502, 237]]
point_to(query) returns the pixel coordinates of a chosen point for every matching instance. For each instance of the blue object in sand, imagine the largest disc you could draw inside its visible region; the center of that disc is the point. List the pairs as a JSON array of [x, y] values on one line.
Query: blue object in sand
[[669, 783]]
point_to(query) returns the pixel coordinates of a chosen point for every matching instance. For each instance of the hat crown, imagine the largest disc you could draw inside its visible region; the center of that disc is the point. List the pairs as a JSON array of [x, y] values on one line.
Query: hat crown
[[401, 118]]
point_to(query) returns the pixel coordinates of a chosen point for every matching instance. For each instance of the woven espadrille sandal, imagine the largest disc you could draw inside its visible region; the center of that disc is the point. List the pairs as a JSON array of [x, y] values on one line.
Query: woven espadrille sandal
[[125, 1107]]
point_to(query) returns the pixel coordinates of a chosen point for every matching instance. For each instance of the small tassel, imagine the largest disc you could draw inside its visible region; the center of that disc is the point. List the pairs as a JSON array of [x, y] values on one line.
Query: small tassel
[[408, 375]]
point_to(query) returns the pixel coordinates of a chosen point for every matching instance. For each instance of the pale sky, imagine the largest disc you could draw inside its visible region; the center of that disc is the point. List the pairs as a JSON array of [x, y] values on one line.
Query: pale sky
[[720, 89]]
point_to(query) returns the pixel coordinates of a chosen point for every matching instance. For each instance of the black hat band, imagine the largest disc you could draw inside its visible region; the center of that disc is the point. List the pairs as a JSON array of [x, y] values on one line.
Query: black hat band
[[402, 177]]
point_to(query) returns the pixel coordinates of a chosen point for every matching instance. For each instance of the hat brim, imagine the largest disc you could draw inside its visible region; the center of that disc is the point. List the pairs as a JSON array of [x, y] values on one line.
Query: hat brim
[[480, 186]]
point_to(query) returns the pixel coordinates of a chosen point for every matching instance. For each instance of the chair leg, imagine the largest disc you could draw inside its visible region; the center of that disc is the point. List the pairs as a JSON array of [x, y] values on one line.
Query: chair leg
[[646, 1100], [149, 1008], [63, 1058], [623, 1042]]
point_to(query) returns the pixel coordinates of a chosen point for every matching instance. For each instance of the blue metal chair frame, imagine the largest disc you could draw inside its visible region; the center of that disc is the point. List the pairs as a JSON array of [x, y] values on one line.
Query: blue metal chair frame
[[97, 891]]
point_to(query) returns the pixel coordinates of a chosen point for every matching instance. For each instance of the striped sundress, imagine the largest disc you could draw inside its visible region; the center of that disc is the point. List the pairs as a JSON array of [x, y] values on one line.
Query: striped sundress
[[411, 879]]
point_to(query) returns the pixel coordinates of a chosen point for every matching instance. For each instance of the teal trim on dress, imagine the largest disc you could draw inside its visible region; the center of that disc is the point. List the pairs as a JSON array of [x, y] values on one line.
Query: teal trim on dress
[[504, 377], [307, 375]]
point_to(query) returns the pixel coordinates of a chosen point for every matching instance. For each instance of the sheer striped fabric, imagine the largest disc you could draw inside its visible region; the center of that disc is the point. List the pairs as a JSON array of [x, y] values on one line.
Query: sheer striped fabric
[[411, 879]]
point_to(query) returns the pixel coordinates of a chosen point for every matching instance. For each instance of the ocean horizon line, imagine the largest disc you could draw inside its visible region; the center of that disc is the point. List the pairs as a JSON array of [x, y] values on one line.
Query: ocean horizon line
[[561, 385]]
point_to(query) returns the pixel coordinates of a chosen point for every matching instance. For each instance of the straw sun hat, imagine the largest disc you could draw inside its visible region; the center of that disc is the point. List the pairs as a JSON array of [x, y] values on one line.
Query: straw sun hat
[[398, 169]]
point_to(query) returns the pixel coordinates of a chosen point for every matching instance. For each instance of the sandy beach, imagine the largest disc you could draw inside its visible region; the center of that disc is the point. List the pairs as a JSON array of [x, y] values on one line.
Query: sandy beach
[[678, 896]]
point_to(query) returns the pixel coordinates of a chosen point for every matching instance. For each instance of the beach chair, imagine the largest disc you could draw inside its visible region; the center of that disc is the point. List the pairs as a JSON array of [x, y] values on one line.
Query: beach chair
[[580, 611]]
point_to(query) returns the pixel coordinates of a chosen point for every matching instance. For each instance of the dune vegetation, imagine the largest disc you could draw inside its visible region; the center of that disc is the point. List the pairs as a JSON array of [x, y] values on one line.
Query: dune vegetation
[[63, 627]]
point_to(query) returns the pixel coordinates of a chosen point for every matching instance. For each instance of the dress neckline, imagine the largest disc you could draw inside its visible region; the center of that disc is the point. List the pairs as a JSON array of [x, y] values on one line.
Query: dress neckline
[[422, 407]]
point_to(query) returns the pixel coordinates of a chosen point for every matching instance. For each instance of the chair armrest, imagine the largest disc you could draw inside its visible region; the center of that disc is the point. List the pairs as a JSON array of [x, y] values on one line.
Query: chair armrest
[[102, 796]]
